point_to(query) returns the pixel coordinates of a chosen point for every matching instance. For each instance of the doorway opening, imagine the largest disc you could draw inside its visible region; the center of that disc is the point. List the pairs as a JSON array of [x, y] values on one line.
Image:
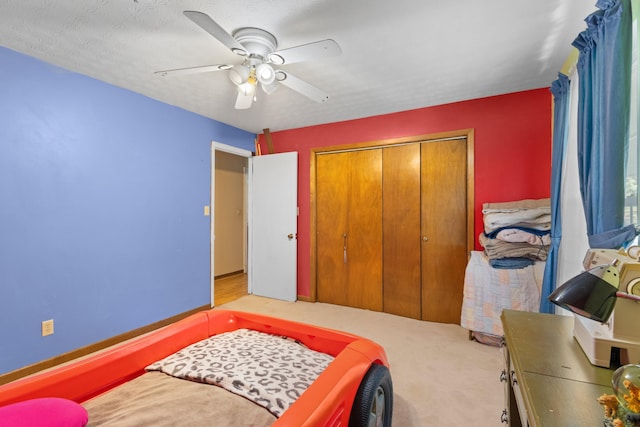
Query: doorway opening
[[229, 247]]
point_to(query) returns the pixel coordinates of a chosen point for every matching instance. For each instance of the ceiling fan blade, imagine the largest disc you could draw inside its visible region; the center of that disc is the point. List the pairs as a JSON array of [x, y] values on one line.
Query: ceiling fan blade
[[306, 52], [244, 100], [192, 70], [210, 26], [302, 87]]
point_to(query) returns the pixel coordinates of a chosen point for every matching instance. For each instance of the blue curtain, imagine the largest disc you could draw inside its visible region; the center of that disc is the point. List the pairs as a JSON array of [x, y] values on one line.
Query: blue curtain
[[604, 67], [560, 91]]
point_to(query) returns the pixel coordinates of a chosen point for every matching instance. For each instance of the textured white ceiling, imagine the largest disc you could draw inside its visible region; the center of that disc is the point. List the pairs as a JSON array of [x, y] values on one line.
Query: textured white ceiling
[[396, 55]]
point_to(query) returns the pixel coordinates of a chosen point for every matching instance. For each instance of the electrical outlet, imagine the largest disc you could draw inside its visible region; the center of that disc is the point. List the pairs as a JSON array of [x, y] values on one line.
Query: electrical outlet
[[47, 327]]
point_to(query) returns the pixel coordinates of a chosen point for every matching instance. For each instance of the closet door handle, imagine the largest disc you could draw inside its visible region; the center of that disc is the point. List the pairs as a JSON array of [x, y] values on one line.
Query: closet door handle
[[425, 239], [344, 259]]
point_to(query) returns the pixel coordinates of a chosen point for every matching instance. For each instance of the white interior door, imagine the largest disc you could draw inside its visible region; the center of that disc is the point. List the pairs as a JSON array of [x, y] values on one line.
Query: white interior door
[[273, 200]]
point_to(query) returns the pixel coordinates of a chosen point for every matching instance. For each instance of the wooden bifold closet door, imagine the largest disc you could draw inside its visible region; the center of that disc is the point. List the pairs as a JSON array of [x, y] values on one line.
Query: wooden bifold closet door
[[401, 230], [392, 228], [349, 227], [445, 247]]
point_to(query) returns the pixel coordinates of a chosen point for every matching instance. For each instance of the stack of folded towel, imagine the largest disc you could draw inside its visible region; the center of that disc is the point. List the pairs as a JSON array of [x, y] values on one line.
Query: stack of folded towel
[[516, 234]]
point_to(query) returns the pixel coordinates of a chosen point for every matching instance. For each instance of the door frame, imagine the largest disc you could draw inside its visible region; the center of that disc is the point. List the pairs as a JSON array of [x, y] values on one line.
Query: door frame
[[238, 152], [468, 134]]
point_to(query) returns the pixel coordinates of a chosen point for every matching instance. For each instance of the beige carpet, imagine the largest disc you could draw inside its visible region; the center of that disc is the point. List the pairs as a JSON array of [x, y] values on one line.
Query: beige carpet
[[440, 378]]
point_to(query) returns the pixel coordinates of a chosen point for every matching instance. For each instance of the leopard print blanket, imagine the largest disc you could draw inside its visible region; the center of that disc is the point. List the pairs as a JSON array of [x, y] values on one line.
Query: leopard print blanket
[[273, 371]]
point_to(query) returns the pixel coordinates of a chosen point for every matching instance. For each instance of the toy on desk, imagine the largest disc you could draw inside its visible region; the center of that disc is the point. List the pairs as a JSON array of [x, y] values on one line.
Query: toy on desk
[[633, 398], [610, 403], [625, 402], [625, 382]]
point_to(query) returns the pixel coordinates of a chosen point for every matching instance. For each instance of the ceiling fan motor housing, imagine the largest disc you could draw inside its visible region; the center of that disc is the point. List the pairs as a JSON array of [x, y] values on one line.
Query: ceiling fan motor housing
[[256, 41]]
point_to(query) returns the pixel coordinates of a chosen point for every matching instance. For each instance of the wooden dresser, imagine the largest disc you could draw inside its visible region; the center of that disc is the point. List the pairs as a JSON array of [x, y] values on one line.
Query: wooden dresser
[[549, 382]]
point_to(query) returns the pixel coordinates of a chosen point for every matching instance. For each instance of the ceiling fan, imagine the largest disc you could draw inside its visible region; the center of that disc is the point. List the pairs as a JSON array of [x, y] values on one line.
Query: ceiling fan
[[258, 48]]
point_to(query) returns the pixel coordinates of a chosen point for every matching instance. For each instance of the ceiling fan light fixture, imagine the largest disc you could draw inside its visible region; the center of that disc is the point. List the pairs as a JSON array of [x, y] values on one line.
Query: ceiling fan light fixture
[[270, 87], [265, 73], [247, 89], [239, 74]]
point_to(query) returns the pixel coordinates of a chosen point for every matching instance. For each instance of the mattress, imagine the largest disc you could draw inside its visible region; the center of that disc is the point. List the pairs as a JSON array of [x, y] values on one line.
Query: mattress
[[488, 291], [160, 400]]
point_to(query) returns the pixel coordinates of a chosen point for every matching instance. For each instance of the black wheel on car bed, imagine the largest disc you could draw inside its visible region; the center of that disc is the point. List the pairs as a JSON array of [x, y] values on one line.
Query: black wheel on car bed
[[373, 405]]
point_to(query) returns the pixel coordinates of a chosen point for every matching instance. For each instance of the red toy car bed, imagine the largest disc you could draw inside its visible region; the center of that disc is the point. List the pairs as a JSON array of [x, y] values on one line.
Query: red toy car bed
[[352, 385]]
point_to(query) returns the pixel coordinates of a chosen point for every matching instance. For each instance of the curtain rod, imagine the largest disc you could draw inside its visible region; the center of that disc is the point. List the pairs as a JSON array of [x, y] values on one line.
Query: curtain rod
[[375, 147]]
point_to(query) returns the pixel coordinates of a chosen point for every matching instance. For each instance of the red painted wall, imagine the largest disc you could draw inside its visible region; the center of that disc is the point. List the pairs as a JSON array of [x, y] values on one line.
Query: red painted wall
[[512, 150]]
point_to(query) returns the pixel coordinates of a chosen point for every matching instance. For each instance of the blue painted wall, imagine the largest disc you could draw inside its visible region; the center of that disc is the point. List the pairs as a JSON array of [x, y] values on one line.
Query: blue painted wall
[[101, 209]]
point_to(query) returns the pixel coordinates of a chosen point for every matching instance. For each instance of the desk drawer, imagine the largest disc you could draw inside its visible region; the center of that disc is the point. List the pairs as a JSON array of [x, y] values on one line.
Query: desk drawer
[[504, 378], [513, 381]]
